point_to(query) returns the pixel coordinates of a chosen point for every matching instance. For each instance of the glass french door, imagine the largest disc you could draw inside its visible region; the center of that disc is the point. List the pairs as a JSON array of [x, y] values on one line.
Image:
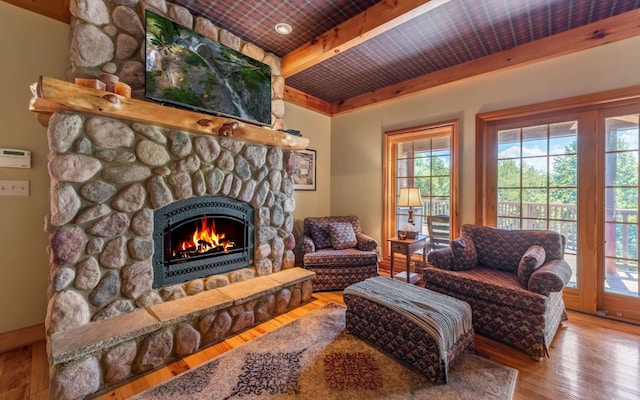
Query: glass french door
[[577, 174], [575, 170], [618, 277]]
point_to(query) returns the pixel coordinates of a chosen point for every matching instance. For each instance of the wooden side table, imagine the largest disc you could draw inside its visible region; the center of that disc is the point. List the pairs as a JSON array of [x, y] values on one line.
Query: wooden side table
[[408, 247]]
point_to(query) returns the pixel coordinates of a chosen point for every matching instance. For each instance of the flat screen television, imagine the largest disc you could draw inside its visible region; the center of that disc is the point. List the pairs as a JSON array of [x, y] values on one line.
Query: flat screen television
[[188, 70]]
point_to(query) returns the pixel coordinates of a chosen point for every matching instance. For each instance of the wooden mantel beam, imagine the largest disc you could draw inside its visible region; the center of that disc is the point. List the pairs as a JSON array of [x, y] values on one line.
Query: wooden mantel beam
[[52, 95], [378, 19]]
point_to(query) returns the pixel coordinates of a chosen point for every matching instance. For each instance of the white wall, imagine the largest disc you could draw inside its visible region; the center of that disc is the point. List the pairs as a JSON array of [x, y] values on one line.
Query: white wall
[[30, 45], [357, 137]]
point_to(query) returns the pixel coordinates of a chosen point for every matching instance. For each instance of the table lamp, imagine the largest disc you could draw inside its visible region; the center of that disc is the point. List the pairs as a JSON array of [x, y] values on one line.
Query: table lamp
[[410, 197]]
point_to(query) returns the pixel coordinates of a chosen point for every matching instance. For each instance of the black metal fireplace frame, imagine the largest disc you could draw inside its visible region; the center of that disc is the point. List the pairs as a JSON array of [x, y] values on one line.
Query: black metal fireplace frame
[[166, 273]]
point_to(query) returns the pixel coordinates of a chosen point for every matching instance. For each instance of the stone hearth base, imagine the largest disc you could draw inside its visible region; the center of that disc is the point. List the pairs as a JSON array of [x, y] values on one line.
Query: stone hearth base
[[101, 354]]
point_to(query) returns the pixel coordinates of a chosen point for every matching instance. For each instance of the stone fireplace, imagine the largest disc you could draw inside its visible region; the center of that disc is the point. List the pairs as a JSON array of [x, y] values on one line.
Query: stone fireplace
[[130, 182], [123, 194]]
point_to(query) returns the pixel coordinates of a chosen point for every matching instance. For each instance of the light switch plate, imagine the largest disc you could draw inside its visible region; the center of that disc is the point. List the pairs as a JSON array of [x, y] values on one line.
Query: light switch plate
[[14, 188]]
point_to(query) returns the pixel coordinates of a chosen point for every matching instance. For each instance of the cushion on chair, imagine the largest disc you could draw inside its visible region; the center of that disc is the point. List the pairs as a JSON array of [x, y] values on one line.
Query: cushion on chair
[[342, 235], [552, 276], [319, 233], [494, 286], [317, 228], [464, 254], [532, 259]]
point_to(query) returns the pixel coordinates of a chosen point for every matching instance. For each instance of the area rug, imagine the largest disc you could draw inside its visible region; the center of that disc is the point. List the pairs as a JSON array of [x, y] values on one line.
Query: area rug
[[314, 357]]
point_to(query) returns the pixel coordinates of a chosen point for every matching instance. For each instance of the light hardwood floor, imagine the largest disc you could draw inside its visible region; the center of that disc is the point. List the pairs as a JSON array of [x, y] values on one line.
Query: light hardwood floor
[[591, 358]]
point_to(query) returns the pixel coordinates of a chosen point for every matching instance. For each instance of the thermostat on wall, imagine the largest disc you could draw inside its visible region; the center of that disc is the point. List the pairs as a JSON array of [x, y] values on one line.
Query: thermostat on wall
[[14, 158]]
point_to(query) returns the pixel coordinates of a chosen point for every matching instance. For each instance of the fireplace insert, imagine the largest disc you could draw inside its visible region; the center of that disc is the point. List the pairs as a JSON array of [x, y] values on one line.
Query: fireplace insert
[[201, 236]]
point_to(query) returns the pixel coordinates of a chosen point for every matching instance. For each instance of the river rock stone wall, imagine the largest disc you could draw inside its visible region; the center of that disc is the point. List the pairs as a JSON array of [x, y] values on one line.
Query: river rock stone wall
[[107, 178]]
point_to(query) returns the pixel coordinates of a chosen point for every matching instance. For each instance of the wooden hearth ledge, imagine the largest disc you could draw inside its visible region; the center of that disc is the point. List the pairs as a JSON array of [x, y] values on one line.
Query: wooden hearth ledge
[[52, 95]]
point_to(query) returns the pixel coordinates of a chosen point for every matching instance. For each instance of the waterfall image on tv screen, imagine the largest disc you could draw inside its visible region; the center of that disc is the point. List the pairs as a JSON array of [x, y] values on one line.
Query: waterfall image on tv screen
[[186, 69]]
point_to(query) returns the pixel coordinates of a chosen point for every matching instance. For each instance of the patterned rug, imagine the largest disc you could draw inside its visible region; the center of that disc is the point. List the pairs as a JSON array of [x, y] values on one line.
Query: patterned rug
[[315, 358]]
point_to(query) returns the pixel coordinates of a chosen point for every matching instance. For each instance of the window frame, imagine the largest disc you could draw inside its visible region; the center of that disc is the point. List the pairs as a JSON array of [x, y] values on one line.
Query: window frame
[[449, 128]]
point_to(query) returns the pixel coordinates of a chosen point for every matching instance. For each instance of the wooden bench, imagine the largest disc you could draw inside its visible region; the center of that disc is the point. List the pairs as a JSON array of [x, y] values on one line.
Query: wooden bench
[[424, 329]]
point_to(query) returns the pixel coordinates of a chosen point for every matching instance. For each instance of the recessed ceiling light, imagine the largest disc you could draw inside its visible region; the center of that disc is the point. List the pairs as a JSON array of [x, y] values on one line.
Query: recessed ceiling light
[[283, 29]]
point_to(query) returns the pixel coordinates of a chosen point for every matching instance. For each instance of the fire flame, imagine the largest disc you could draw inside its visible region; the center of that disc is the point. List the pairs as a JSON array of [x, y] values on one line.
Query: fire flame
[[204, 239]]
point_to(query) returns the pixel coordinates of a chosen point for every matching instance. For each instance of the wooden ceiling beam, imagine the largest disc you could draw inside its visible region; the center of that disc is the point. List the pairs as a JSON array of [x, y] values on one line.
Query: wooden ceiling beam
[[378, 19], [622, 26], [304, 100]]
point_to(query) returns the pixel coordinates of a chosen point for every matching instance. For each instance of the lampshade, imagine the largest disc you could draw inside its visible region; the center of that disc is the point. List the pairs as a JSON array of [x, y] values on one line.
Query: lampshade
[[409, 197]]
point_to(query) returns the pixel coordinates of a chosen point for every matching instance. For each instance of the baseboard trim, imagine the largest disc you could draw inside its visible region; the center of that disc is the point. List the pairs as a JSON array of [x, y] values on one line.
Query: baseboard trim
[[21, 337]]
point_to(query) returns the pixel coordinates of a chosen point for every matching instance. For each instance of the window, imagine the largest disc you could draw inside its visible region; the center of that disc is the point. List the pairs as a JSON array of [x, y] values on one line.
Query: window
[[537, 180], [426, 164], [423, 157], [621, 171]]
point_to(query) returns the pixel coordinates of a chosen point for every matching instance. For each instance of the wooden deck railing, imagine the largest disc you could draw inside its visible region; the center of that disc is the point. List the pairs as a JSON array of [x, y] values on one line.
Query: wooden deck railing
[[561, 218]]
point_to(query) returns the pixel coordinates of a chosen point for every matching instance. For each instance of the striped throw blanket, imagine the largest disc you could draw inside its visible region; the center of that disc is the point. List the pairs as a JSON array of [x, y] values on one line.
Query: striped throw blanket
[[444, 318]]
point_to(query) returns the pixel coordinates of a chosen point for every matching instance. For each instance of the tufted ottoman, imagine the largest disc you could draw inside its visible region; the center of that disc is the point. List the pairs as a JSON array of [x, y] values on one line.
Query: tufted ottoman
[[424, 329]]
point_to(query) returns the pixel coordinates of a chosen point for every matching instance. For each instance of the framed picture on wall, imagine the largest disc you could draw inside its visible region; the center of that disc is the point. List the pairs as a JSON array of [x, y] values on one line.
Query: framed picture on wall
[[304, 176]]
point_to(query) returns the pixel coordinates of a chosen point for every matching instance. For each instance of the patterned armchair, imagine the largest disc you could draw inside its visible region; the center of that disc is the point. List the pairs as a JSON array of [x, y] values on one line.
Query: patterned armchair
[[338, 252], [513, 281]]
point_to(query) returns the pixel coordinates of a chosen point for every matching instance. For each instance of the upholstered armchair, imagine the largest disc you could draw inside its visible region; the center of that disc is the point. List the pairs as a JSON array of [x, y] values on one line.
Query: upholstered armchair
[[512, 279], [338, 252]]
